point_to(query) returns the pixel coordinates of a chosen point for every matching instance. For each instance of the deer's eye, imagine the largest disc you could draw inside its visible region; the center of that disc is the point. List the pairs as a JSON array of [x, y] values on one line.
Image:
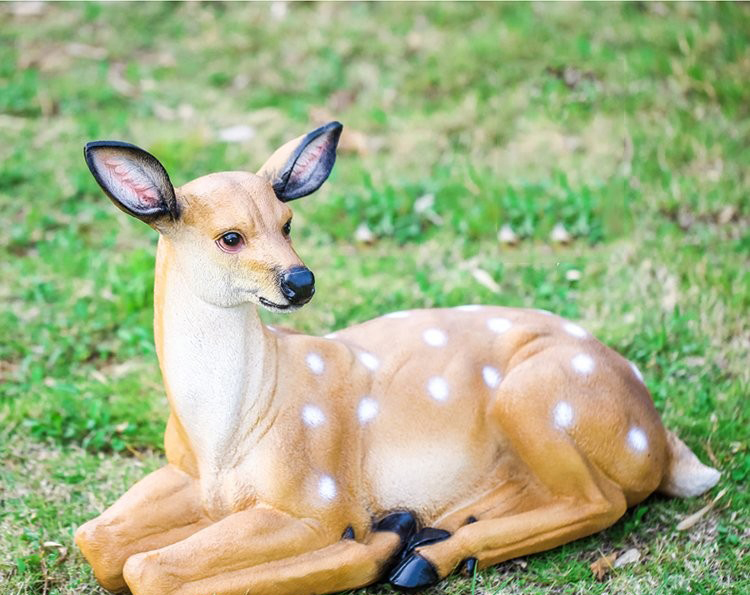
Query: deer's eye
[[231, 242], [287, 229]]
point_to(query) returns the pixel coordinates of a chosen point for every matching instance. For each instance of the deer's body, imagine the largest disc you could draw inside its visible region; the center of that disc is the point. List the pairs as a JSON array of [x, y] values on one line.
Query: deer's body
[[293, 459]]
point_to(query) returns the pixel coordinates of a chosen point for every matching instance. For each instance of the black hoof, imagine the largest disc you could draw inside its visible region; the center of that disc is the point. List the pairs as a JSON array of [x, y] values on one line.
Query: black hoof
[[402, 523], [425, 536], [413, 573], [470, 566]]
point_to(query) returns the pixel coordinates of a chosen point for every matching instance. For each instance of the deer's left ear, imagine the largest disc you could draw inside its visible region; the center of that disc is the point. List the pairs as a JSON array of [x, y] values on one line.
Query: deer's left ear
[[301, 166]]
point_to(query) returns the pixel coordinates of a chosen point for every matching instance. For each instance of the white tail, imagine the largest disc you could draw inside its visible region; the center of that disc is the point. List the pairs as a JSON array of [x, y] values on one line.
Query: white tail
[[686, 476], [294, 459]]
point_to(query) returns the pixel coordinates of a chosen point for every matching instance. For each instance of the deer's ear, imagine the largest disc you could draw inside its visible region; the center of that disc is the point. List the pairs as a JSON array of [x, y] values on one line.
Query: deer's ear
[[133, 178], [301, 166]]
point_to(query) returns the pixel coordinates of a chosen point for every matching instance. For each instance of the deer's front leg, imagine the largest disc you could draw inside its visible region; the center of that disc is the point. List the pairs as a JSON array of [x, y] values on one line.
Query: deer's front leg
[[240, 540], [163, 508], [269, 552]]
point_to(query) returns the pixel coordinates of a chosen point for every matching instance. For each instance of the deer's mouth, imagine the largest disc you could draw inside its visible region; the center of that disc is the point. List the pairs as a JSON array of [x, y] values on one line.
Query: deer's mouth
[[274, 306]]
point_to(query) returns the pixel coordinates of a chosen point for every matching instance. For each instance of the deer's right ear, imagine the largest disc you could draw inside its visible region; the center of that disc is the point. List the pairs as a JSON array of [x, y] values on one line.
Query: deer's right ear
[[133, 178]]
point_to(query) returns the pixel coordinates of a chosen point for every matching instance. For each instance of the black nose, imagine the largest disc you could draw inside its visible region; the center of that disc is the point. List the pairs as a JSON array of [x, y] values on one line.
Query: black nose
[[298, 285]]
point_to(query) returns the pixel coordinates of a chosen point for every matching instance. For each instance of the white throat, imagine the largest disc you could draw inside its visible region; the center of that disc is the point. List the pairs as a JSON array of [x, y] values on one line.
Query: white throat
[[216, 367]]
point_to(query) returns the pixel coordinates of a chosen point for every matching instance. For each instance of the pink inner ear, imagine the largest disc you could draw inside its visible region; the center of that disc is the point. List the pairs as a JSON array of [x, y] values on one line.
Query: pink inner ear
[[310, 156], [132, 181]]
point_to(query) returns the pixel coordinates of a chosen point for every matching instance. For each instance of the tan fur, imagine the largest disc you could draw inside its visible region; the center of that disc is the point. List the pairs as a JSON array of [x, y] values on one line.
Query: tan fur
[[278, 441]]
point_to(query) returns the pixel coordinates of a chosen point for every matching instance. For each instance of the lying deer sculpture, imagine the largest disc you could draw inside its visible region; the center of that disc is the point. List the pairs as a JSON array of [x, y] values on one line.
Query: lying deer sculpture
[[401, 448]]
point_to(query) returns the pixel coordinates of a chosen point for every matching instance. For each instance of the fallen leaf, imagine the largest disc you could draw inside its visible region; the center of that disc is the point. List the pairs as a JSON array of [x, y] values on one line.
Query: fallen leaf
[[560, 235], [691, 520], [727, 214], [423, 203], [236, 134], [629, 557], [485, 279], [364, 234], [670, 294], [423, 206], [507, 236], [99, 377], [62, 551], [603, 565], [120, 370], [134, 452]]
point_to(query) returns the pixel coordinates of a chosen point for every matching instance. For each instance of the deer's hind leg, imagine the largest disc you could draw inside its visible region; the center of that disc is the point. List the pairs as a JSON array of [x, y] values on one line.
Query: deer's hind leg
[[568, 497], [558, 518], [163, 508], [491, 541]]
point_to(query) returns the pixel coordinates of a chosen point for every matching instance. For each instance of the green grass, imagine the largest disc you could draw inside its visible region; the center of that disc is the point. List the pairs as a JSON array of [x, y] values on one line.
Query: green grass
[[628, 124]]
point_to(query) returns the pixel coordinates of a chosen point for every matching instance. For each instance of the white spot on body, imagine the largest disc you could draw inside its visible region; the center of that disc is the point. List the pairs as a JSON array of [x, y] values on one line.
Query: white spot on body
[[636, 371], [563, 414], [369, 361], [637, 439], [438, 388], [327, 488], [313, 416], [575, 330], [330, 336], [469, 308], [583, 364], [399, 314], [499, 325], [315, 363], [367, 410], [491, 376], [435, 337]]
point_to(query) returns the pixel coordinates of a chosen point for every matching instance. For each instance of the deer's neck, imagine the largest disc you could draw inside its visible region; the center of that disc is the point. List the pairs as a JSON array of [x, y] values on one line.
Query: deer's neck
[[217, 367]]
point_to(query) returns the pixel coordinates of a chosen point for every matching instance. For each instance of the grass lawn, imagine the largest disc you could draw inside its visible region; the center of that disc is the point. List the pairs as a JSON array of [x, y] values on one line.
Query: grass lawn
[[627, 125]]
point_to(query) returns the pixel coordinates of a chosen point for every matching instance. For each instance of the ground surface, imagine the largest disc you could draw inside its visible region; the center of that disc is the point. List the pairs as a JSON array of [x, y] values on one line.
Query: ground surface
[[628, 125]]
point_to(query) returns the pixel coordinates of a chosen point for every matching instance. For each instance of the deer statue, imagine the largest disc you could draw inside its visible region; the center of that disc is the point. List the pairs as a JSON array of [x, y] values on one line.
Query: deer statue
[[402, 448]]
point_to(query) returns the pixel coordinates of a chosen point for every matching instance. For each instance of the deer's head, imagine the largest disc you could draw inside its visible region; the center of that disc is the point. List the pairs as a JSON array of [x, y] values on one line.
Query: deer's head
[[228, 232]]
